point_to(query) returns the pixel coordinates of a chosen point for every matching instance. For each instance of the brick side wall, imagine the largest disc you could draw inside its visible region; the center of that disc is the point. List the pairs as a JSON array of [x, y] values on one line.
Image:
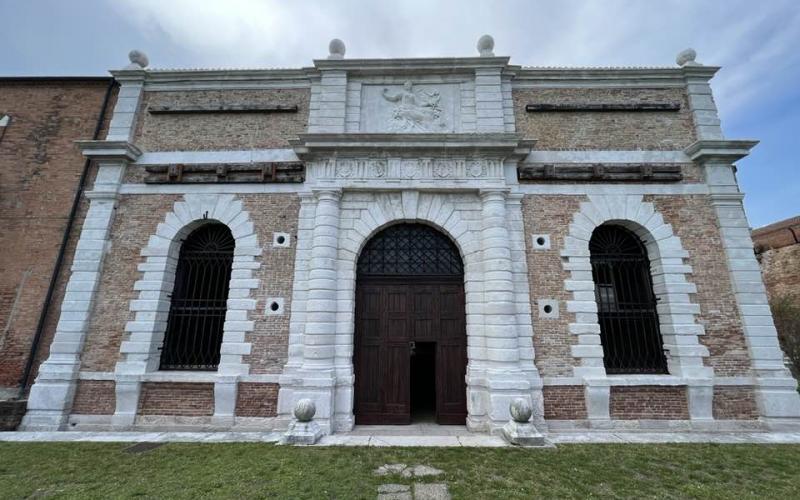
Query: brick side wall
[[735, 403], [781, 270], [94, 397], [551, 215], [662, 130], [40, 167], [257, 400], [693, 220], [176, 399], [564, 402], [216, 131], [649, 402]]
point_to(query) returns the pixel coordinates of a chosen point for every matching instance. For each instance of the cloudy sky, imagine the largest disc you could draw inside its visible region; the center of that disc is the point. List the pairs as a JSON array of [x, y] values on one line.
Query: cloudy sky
[[755, 41]]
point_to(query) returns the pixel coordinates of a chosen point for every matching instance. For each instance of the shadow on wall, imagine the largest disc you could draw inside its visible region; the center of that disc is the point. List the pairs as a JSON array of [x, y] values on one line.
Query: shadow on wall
[[786, 313]]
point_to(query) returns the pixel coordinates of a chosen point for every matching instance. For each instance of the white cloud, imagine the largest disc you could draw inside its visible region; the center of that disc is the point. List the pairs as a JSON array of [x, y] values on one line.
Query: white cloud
[[755, 44]]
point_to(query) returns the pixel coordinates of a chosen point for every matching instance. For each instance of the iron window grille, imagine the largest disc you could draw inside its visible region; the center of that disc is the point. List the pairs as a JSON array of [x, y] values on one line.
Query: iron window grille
[[199, 300], [410, 250], [629, 328]]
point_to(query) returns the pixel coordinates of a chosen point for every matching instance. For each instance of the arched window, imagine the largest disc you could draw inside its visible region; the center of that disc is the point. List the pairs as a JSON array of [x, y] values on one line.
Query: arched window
[[626, 304], [199, 300]]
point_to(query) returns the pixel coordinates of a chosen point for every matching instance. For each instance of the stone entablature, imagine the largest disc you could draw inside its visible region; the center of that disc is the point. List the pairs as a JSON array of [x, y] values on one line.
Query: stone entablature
[[410, 160]]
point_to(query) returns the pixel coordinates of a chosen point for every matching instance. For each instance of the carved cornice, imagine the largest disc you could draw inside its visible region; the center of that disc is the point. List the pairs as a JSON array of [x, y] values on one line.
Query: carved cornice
[[501, 145], [723, 151], [407, 66], [109, 150]]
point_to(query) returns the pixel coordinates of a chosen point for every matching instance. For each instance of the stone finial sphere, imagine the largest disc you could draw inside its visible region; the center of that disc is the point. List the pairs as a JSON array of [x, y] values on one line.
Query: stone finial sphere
[[521, 410], [304, 410], [336, 49], [686, 58], [486, 46], [138, 58]]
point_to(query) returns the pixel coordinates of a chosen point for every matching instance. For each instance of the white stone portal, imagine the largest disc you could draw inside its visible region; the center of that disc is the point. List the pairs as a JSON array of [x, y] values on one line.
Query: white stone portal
[[500, 352]]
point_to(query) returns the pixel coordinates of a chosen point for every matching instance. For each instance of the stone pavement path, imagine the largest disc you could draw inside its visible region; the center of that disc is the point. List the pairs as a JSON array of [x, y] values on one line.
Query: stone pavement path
[[417, 491]]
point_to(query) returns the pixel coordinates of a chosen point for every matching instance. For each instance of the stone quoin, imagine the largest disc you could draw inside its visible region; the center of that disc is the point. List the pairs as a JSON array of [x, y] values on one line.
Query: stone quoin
[[386, 241]]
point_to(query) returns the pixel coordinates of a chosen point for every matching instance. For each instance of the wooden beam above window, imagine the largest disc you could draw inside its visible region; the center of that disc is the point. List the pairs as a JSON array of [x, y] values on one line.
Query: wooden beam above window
[[603, 107], [231, 108]]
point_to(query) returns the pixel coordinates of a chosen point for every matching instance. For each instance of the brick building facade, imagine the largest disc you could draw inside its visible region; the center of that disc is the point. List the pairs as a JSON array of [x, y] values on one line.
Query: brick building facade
[[540, 179], [41, 173]]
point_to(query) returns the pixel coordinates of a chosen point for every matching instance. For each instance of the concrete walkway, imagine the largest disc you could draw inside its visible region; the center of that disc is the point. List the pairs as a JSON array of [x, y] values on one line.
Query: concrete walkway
[[412, 437]]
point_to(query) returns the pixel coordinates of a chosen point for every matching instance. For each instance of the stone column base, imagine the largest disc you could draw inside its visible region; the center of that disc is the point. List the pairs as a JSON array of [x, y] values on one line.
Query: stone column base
[[522, 434], [302, 433]]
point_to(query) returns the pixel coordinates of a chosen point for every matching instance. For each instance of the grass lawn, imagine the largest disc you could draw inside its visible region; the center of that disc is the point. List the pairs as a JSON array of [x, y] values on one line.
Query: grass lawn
[[101, 470]]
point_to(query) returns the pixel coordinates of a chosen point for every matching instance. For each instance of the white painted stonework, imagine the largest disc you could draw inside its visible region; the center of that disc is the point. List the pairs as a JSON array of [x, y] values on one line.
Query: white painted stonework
[[499, 331], [431, 141]]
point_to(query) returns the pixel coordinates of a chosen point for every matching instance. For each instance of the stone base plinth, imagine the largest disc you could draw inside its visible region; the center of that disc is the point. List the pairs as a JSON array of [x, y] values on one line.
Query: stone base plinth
[[522, 434], [302, 433]]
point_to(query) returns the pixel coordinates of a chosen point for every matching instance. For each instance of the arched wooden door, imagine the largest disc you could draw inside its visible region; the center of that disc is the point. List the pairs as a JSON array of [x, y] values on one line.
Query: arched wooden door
[[409, 294]]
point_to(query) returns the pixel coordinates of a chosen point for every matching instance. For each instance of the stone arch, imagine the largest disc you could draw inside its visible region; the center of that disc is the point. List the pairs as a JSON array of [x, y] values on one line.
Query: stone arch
[[677, 313], [151, 307], [408, 206]]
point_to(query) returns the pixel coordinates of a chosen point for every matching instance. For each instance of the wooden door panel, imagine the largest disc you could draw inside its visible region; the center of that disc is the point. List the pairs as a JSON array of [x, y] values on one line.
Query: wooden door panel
[[451, 394], [391, 314], [396, 383], [426, 306]]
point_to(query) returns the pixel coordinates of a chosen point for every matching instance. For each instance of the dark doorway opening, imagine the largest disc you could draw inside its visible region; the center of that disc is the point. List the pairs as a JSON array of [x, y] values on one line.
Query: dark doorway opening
[[423, 382]]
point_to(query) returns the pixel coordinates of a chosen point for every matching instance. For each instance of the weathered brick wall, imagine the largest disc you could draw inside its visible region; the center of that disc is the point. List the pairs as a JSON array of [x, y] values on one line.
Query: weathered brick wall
[[649, 402], [257, 400], [176, 399], [94, 397], [136, 219], [217, 131], [781, 270], [734, 403], [550, 214], [270, 336], [660, 130], [693, 221], [40, 167], [564, 402]]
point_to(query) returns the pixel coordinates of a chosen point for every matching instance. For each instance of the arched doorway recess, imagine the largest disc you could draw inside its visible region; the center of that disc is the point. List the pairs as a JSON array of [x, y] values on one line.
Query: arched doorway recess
[[410, 352]]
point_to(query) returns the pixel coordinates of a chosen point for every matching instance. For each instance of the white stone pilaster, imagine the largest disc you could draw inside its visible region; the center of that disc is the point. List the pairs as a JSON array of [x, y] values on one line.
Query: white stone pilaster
[[504, 379], [50, 399], [776, 389], [701, 102], [489, 113], [328, 111], [315, 379]]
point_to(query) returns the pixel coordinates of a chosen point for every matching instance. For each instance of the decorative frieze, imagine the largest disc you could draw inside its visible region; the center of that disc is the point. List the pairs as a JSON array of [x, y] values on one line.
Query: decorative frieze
[[383, 168]]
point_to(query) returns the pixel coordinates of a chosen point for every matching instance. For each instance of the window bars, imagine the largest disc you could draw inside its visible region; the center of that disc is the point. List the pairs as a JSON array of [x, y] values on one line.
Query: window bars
[[199, 300], [410, 250], [629, 329]]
